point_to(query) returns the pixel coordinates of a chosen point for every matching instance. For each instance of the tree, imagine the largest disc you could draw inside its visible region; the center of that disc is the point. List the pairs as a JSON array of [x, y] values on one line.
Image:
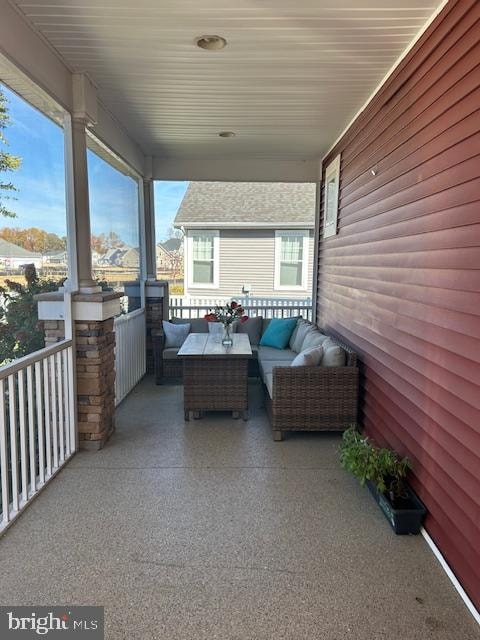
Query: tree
[[8, 162], [173, 233], [105, 241], [34, 239], [20, 331]]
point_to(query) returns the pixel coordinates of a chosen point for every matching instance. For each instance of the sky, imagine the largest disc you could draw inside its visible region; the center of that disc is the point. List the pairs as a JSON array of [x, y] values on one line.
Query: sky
[[40, 200]]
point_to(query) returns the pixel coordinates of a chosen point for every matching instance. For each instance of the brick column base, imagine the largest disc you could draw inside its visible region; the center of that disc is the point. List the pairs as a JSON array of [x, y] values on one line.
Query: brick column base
[[95, 343], [54, 331], [95, 358], [153, 318]]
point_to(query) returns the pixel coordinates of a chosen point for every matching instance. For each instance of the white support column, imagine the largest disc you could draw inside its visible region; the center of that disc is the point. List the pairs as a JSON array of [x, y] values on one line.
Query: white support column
[[79, 235], [82, 207], [149, 222]]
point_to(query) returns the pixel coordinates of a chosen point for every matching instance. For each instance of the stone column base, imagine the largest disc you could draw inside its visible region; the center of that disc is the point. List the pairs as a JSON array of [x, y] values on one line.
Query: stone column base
[[95, 358], [95, 343]]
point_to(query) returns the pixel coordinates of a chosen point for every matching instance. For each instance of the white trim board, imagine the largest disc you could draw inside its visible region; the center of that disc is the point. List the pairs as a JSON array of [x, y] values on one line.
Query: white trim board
[[461, 591], [244, 225], [437, 11]]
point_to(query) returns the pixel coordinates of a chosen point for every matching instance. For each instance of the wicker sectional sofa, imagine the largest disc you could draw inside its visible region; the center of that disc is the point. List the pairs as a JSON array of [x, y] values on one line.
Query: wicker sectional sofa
[[309, 398]]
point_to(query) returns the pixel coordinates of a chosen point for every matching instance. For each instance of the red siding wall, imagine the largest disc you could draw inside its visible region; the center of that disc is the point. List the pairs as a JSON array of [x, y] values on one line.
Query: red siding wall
[[401, 280]]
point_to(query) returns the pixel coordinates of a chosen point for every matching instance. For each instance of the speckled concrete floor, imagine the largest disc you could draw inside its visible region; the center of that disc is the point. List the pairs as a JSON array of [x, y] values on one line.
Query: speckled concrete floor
[[209, 529]]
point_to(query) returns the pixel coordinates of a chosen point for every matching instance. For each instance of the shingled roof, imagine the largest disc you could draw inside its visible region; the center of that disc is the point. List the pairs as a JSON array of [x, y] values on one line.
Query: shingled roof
[[10, 250], [252, 204]]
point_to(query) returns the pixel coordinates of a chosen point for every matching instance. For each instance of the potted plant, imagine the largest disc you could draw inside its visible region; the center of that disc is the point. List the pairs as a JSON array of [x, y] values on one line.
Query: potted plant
[[384, 473], [227, 315]]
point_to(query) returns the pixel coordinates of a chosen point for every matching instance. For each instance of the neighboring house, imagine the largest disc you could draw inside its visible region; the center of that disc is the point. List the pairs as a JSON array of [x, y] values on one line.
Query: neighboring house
[[173, 245], [248, 237], [14, 257], [112, 257], [58, 259], [170, 254], [130, 259]]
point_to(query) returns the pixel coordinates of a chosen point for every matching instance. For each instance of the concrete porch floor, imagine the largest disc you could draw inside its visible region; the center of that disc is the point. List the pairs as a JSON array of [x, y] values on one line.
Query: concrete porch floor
[[209, 529]]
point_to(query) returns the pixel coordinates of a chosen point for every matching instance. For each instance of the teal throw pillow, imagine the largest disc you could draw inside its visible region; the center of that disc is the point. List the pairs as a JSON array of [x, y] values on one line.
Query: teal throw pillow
[[278, 333]]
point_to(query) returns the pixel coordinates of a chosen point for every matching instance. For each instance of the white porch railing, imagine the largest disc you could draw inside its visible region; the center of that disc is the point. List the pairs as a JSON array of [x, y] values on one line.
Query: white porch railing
[[130, 356], [37, 424], [183, 307]]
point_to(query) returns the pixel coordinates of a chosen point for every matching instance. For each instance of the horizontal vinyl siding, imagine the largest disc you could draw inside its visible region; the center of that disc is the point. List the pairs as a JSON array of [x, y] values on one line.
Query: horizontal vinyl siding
[[400, 281], [248, 257]]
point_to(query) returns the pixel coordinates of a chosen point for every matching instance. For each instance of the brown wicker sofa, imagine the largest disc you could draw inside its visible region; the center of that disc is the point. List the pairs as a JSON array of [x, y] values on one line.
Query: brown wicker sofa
[[312, 398]]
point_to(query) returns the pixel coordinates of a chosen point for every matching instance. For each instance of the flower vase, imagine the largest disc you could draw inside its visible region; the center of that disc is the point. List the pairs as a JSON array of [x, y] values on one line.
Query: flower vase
[[227, 338]]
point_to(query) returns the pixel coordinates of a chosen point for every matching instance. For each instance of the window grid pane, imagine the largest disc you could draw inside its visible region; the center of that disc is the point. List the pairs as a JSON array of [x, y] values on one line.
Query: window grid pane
[[291, 274], [202, 272], [291, 261], [202, 248], [292, 249]]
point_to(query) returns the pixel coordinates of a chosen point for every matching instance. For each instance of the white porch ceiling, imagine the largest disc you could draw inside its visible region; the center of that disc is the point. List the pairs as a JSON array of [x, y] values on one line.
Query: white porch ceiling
[[292, 76]]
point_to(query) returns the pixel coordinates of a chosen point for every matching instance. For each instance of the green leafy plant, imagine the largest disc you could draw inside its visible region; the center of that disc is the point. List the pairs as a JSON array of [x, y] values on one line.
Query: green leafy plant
[[381, 466], [20, 331]]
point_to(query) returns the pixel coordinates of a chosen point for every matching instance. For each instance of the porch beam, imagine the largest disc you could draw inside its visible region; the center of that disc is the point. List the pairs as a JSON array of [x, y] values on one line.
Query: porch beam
[[83, 255], [150, 240]]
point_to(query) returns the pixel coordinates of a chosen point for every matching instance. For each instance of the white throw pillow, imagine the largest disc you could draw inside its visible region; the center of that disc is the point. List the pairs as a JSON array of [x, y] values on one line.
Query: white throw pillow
[[308, 358], [175, 334]]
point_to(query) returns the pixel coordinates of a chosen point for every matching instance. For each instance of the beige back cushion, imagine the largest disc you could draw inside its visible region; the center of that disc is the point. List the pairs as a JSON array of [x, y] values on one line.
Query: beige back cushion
[[302, 329], [313, 339], [197, 325]]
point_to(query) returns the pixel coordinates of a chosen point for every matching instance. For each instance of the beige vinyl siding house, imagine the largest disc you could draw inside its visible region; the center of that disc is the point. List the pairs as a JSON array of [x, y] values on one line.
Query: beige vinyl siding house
[[254, 238]]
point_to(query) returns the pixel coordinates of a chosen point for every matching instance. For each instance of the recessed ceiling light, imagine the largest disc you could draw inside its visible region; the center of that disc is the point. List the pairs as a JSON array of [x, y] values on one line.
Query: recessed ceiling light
[[211, 43], [227, 134]]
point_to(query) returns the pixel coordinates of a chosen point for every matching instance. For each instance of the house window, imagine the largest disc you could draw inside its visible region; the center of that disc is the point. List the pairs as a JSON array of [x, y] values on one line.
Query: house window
[[331, 188], [291, 259], [203, 247]]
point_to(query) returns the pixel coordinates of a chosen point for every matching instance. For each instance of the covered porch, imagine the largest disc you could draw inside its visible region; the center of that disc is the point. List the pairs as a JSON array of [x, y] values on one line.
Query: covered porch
[[210, 529]]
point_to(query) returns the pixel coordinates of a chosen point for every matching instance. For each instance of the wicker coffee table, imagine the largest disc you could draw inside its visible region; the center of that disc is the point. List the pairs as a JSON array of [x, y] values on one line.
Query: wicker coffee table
[[215, 378]]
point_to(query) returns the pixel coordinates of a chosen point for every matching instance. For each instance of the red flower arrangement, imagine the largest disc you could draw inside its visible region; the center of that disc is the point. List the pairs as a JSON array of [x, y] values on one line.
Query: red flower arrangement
[[228, 314]]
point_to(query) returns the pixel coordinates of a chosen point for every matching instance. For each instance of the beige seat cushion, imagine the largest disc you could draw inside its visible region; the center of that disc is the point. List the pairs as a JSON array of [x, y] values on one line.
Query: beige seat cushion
[[266, 366], [269, 384], [269, 353], [170, 353]]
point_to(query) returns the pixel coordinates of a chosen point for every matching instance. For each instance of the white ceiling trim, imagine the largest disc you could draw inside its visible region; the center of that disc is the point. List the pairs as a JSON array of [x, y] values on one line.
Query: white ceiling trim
[[438, 10]]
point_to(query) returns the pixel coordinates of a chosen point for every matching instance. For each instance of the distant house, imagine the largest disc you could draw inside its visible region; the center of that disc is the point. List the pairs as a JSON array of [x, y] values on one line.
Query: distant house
[[58, 259], [14, 257], [244, 237], [130, 259], [112, 257], [170, 254]]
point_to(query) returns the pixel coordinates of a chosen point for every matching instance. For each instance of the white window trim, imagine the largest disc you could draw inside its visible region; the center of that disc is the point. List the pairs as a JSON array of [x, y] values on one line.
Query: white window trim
[[333, 169], [216, 259], [278, 252]]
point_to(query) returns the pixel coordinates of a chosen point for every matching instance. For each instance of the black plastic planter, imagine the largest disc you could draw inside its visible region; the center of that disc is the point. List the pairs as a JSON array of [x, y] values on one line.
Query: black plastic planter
[[406, 520]]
